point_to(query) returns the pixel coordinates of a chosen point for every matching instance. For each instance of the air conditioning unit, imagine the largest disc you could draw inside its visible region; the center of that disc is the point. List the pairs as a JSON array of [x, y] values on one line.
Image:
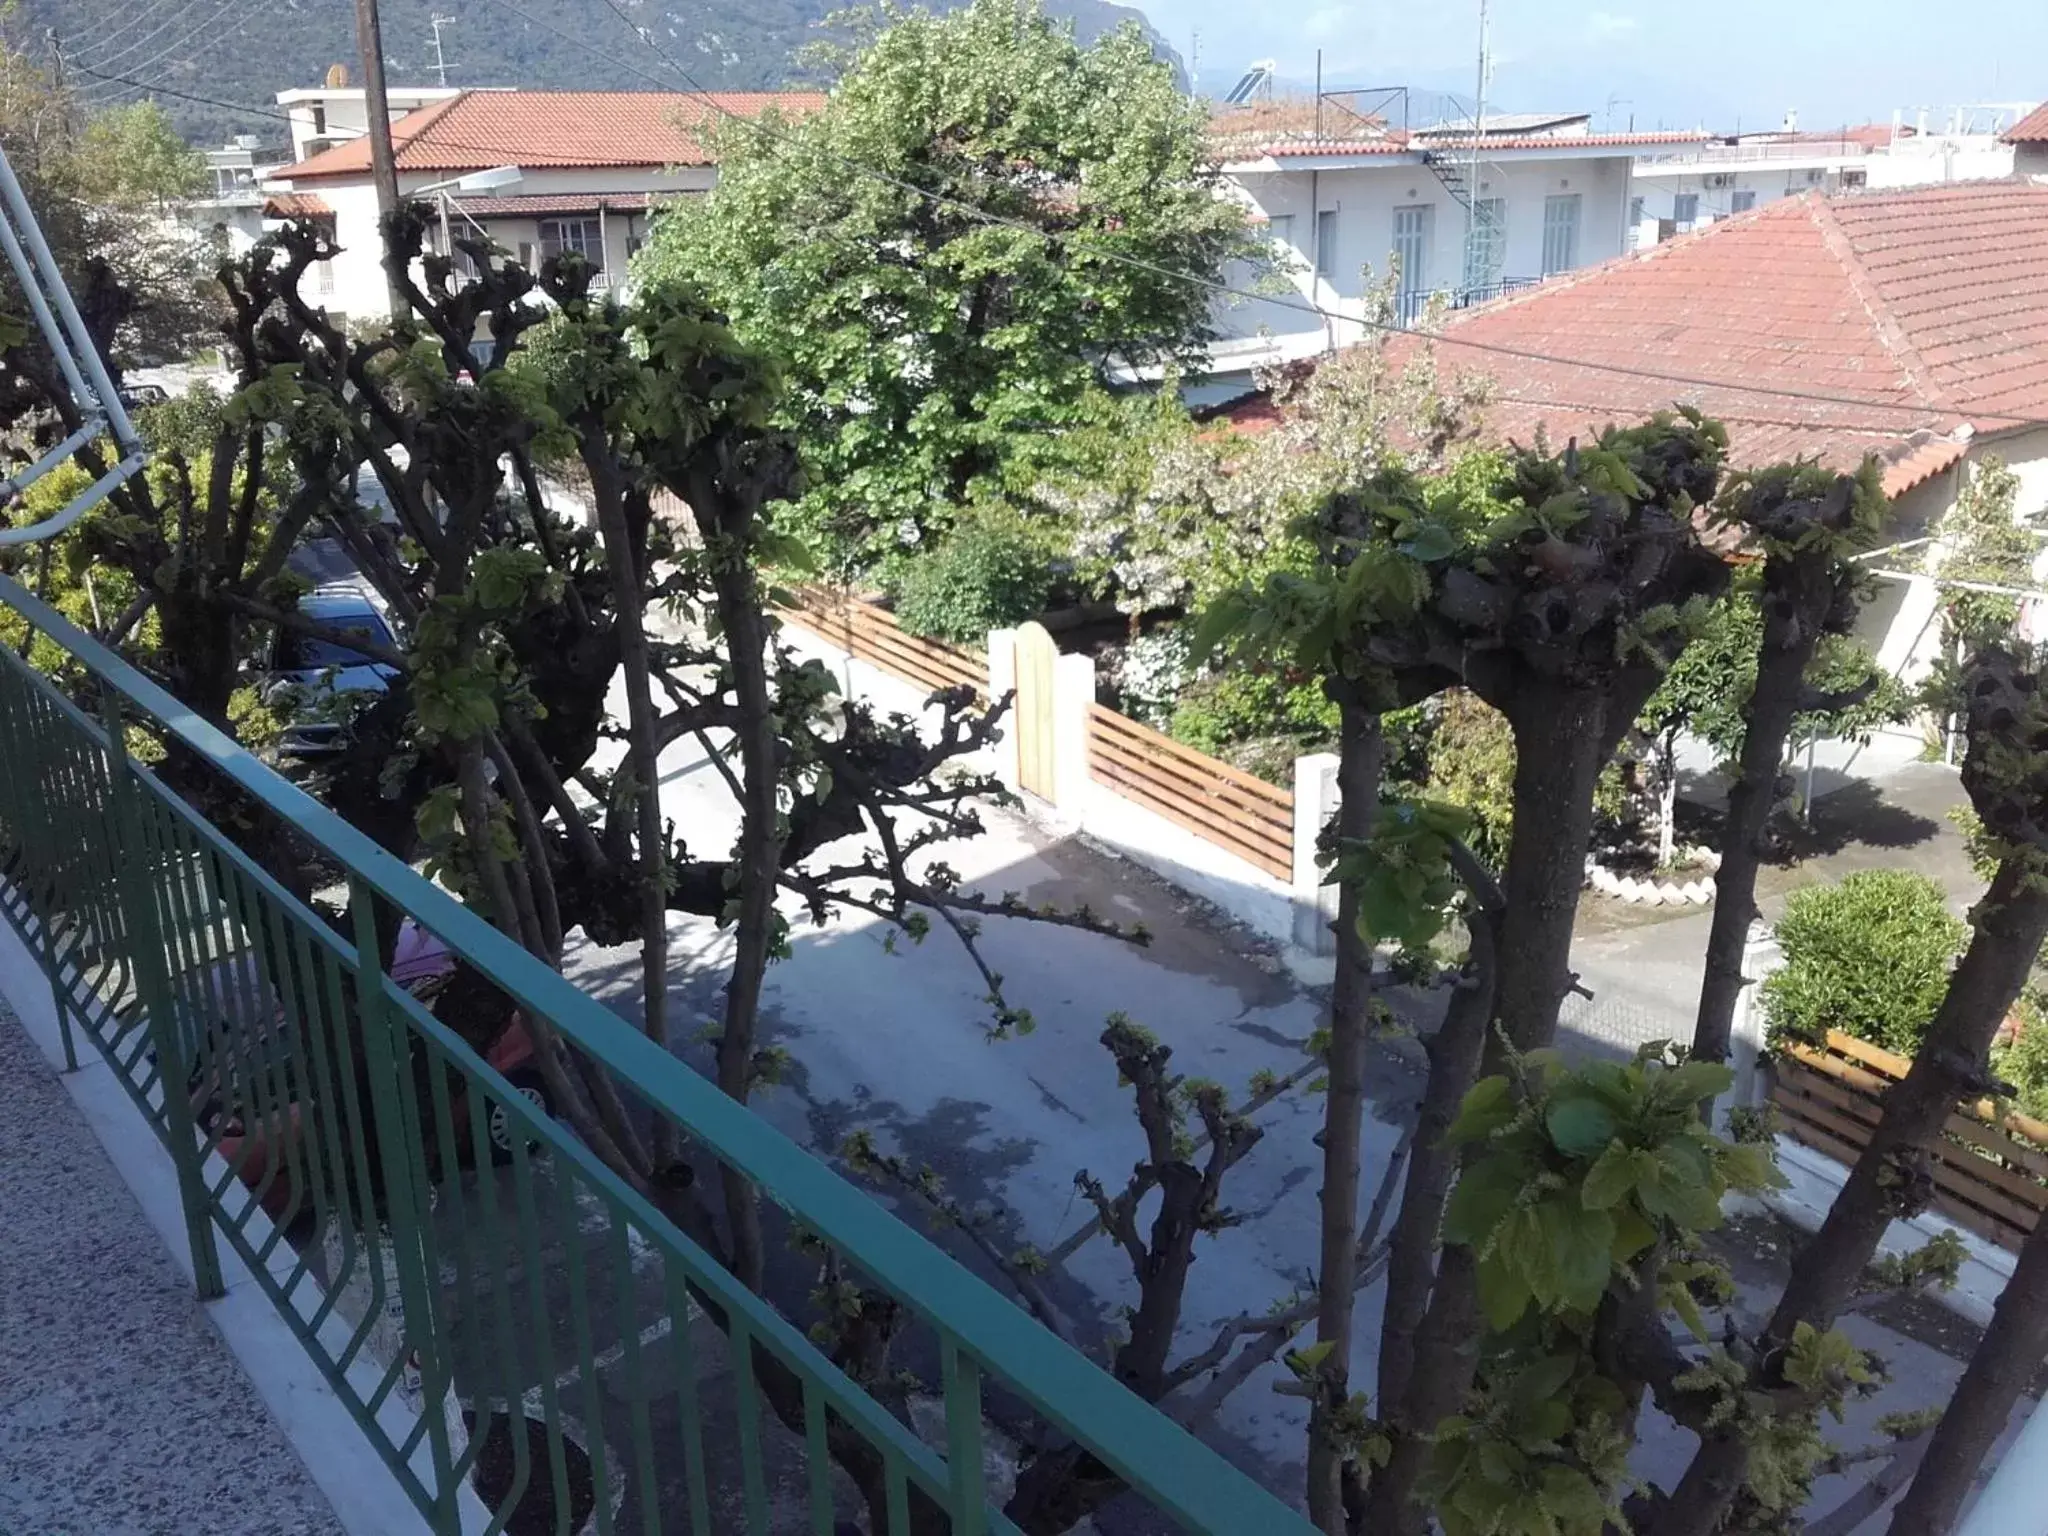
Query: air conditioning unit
[[1720, 181]]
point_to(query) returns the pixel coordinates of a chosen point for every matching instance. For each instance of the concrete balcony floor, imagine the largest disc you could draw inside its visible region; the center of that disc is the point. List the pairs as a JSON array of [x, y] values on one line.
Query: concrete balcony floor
[[122, 1411]]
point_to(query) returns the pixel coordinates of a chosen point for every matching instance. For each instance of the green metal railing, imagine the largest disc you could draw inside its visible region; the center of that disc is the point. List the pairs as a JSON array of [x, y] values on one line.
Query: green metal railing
[[563, 1346]]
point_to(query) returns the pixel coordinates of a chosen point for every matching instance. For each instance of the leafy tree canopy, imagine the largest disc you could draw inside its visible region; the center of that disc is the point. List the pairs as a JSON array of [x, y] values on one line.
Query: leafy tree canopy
[[132, 156], [943, 327]]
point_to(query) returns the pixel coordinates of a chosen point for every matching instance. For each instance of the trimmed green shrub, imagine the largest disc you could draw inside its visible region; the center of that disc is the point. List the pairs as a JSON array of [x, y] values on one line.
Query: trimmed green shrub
[[1869, 956], [1243, 705], [2023, 1060], [1471, 763], [987, 574]]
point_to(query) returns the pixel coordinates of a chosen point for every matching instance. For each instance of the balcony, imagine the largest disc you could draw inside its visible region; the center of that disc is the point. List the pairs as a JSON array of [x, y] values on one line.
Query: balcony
[[511, 1327], [1412, 307]]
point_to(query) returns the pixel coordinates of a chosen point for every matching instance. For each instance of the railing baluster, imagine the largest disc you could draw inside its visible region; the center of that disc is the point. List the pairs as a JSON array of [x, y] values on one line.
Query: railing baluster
[[404, 1194], [147, 953], [963, 1439]]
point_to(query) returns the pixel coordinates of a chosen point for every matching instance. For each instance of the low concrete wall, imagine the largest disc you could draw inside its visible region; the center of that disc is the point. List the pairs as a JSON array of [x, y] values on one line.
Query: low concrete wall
[[1294, 914]]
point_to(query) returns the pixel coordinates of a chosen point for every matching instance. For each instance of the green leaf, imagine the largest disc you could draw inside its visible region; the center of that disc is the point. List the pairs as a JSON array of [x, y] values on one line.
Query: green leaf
[[1306, 1361], [1573, 1500], [1430, 541], [1544, 1378], [1610, 1179], [1632, 1234], [1698, 1080], [1503, 1294], [1547, 1423], [1487, 1107], [1485, 1193], [1580, 1251], [1680, 1300], [1579, 1126]]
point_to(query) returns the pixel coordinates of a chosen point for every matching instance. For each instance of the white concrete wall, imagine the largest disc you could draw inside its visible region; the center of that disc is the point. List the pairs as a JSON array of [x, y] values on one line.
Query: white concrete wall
[[2030, 160], [357, 284], [1900, 623], [1364, 198], [1660, 188]]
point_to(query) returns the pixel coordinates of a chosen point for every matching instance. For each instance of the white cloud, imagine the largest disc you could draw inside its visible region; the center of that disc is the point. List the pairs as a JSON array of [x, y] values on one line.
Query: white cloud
[[1608, 27]]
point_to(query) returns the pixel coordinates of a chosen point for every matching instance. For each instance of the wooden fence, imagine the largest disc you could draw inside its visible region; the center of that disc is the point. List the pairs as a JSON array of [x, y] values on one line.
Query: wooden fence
[[1988, 1168], [1221, 804], [870, 632]]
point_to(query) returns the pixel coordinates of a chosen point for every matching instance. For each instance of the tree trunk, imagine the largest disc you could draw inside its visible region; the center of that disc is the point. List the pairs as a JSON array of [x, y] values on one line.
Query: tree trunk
[[1362, 748], [2011, 923], [1410, 1406], [642, 755], [760, 862], [1667, 801], [1562, 742], [2011, 1351], [1787, 650], [1446, 1354], [1563, 739]]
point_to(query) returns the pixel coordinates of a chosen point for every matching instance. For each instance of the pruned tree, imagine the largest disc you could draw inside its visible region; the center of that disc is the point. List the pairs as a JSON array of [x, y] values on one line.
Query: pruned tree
[[2006, 778], [1810, 525]]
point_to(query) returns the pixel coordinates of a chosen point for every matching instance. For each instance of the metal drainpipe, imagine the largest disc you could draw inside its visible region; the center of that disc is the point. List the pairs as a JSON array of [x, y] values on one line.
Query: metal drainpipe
[[1315, 266]]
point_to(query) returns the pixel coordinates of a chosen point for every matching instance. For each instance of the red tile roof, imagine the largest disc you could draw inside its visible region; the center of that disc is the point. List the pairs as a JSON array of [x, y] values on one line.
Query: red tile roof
[[549, 205], [295, 205], [1914, 313], [2031, 129], [482, 129]]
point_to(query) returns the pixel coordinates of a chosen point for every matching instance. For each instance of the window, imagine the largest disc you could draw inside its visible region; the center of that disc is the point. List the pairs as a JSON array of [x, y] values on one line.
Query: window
[[1685, 209], [1742, 202], [1487, 256], [1411, 247], [1326, 244], [319, 119], [579, 235], [1561, 232], [1280, 230], [1633, 235]]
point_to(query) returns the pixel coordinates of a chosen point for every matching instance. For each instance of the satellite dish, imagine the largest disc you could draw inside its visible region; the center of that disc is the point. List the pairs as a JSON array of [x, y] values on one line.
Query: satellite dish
[[337, 77]]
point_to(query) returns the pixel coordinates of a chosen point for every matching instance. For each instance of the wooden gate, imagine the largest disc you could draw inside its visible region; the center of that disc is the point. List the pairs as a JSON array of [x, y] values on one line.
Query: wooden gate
[[1036, 655]]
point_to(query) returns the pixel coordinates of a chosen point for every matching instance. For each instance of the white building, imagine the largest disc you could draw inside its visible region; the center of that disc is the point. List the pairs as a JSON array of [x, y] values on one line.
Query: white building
[[1909, 325], [537, 172], [232, 207], [2029, 140], [1349, 198], [323, 116], [1683, 188]]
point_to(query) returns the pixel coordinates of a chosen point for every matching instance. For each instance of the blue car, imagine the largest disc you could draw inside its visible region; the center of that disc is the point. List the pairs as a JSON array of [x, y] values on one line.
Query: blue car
[[320, 683]]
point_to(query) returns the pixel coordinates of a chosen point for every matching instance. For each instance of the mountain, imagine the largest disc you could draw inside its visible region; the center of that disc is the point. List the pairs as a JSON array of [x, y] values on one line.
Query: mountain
[[230, 58]]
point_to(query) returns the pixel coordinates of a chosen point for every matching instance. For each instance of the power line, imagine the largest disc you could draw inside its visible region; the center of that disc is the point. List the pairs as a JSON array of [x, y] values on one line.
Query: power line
[[231, 16], [104, 54], [1222, 289], [117, 19], [164, 50]]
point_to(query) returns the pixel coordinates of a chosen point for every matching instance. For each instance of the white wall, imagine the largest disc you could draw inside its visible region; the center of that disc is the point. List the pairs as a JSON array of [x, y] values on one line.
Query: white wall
[[2030, 159], [1660, 188], [1900, 623], [357, 287], [1364, 198]]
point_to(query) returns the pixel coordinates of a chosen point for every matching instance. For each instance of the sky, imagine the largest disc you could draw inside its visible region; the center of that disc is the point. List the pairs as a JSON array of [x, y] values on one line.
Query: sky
[[1734, 63]]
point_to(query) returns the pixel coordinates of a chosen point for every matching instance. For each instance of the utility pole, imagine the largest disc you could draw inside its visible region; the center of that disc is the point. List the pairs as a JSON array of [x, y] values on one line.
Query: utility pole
[[440, 60], [377, 112], [1478, 136]]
